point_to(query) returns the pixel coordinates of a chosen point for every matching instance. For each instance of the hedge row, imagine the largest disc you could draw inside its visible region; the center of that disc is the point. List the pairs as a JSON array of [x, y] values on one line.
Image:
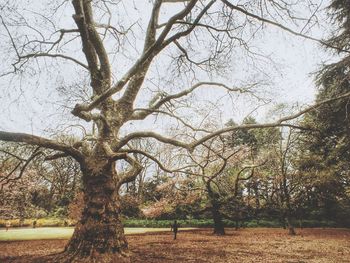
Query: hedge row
[[228, 223], [57, 222], [41, 222]]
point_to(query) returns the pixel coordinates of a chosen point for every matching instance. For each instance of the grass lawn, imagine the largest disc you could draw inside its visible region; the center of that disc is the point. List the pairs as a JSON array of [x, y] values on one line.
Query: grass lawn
[[59, 232]]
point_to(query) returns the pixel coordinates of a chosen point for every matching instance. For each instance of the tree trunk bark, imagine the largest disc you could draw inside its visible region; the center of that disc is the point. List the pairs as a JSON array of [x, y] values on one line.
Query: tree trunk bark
[[219, 228], [257, 199], [237, 225], [288, 213], [283, 220], [99, 235], [291, 229]]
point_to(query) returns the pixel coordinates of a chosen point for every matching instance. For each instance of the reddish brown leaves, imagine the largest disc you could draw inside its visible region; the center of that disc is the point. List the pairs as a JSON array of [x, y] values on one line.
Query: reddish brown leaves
[[246, 245]]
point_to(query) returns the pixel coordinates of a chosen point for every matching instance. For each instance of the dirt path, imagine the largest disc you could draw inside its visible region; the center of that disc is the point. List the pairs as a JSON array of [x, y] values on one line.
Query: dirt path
[[247, 245]]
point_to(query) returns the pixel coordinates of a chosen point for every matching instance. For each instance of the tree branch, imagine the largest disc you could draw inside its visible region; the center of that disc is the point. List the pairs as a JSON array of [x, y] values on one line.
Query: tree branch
[[131, 174], [42, 142], [123, 141], [143, 114], [139, 112], [160, 165], [242, 10], [148, 54], [43, 54], [277, 123], [192, 145], [7, 178]]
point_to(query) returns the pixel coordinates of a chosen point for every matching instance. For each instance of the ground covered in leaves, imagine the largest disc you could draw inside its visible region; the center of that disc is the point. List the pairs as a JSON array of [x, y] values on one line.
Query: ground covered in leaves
[[245, 245]]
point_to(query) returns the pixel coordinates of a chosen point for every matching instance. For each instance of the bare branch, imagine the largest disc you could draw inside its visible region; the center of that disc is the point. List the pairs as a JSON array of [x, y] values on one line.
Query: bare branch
[[55, 156], [160, 165], [146, 56], [43, 54], [42, 142], [11, 154], [150, 134], [7, 179], [139, 112], [131, 174], [143, 114], [135, 83], [190, 29], [277, 123], [242, 10], [192, 145]]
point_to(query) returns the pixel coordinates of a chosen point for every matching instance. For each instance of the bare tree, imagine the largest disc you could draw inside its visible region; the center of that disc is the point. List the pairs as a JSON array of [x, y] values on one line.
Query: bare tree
[[286, 175], [212, 160], [99, 235]]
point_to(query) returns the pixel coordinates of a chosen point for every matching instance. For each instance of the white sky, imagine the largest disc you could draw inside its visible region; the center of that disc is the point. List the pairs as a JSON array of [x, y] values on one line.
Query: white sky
[[32, 104]]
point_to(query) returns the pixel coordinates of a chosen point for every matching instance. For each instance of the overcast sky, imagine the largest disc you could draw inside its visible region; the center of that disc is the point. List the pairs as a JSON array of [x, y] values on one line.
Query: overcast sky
[[34, 104]]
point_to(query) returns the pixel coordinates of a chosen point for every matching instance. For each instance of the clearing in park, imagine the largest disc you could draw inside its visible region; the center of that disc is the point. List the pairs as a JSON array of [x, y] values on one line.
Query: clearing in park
[[199, 245]]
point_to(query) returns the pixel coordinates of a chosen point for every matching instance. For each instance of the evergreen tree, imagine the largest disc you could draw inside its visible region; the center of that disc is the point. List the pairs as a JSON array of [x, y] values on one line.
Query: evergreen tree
[[327, 151]]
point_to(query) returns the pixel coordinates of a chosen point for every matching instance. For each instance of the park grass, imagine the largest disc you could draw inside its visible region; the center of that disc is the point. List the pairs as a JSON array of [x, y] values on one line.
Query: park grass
[[41, 233]]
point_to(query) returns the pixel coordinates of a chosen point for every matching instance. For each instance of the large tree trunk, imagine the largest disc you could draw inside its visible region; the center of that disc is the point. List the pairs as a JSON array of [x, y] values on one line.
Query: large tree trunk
[[219, 228], [99, 235]]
